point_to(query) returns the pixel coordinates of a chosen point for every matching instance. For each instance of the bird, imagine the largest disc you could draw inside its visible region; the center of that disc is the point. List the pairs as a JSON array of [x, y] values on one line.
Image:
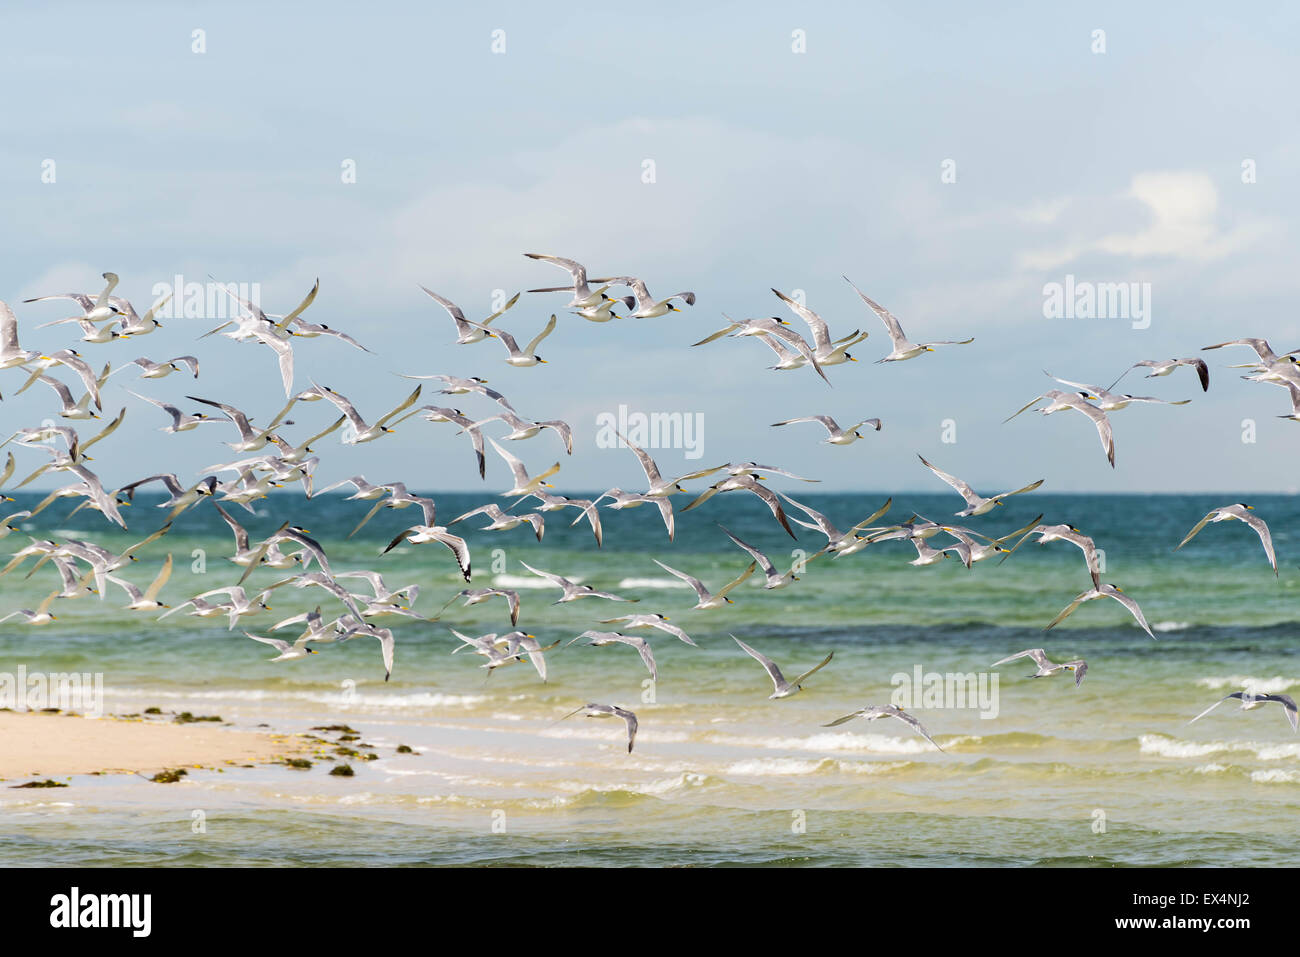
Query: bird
[[902, 347], [524, 485], [1060, 401], [647, 306], [975, 504], [475, 385], [1067, 533], [838, 436], [783, 688], [1252, 700], [160, 370], [474, 596], [504, 522], [467, 334], [1104, 591], [600, 639], [288, 652], [583, 295], [775, 579], [1163, 367], [1045, 667], [12, 356], [610, 711], [1109, 401], [660, 622], [828, 352], [572, 590], [521, 358], [420, 534], [361, 431], [1239, 512], [876, 711], [41, 615], [522, 429], [747, 483], [706, 599]]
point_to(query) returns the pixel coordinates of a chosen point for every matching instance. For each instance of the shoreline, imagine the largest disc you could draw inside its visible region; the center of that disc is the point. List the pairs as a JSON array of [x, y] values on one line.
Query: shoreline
[[65, 744]]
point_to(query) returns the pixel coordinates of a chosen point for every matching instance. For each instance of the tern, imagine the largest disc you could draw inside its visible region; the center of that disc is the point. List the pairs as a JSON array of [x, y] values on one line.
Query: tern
[[146, 600], [747, 483], [583, 295], [775, 579], [420, 534], [288, 652], [903, 348], [471, 386], [160, 370], [437, 413], [1163, 367], [610, 711], [601, 639], [877, 711], [521, 358], [522, 429], [784, 689], [1068, 533], [502, 522], [1060, 401], [474, 596], [1045, 667], [1109, 401], [1239, 512], [361, 431], [660, 622], [620, 500], [524, 485], [572, 590], [1104, 591], [975, 504], [467, 334], [93, 309], [41, 616], [1250, 701], [708, 600], [838, 436]]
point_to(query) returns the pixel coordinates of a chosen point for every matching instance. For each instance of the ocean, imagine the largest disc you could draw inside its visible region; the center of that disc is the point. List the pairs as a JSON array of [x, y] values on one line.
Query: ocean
[[1039, 773]]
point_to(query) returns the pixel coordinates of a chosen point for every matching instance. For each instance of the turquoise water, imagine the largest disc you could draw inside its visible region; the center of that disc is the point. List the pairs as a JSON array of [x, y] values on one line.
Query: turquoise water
[[720, 774]]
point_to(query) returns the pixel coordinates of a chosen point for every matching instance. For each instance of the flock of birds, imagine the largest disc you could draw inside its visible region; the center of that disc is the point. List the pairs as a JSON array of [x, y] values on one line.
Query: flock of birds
[[272, 461]]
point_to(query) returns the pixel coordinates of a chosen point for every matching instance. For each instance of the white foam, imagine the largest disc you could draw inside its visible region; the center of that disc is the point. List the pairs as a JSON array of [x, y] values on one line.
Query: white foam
[[781, 767], [1163, 626], [1175, 748], [529, 581], [1275, 776], [831, 742], [652, 583], [1272, 685]]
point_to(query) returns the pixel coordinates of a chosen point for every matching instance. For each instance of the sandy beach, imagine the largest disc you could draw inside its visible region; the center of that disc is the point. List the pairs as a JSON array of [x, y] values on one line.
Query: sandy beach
[[59, 745]]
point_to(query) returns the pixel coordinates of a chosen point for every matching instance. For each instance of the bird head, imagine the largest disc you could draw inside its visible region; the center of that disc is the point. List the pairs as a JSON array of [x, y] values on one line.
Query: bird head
[[849, 357]]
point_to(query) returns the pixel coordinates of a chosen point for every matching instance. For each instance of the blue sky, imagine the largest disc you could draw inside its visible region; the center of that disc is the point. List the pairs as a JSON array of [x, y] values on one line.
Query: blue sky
[[773, 168]]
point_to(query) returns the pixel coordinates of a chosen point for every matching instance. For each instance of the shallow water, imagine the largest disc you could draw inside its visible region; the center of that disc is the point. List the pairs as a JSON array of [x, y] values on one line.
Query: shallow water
[[1044, 773]]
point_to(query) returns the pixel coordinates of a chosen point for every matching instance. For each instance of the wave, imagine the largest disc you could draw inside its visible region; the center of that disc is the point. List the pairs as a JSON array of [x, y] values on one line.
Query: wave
[[1165, 747], [1272, 685], [782, 767], [528, 581], [652, 583], [1164, 626], [337, 699]]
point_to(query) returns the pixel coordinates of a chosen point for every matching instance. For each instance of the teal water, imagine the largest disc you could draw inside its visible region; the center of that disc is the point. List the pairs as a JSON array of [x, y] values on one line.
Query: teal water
[[720, 774]]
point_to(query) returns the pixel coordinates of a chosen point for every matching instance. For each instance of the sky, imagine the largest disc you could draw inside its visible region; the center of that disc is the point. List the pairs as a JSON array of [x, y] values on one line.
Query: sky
[[952, 160]]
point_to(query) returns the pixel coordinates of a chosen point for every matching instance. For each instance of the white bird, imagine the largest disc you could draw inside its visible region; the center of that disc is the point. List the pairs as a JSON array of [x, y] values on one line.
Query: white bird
[[1241, 513], [520, 358], [601, 639], [11, 354], [975, 504], [474, 596], [583, 295], [903, 348], [1163, 367], [572, 590], [610, 711], [838, 436], [420, 534], [660, 622], [1060, 401], [1250, 701], [828, 352], [288, 652], [1104, 591], [1045, 667], [708, 600], [467, 334], [524, 485], [783, 688], [647, 306], [361, 431], [41, 616], [876, 711], [1068, 533], [775, 579], [503, 522]]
